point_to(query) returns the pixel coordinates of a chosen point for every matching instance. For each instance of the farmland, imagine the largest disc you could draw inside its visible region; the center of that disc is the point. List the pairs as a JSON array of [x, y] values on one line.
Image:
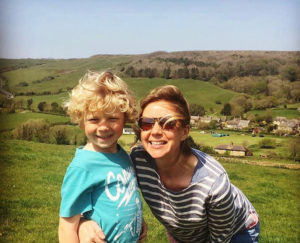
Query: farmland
[[31, 174]]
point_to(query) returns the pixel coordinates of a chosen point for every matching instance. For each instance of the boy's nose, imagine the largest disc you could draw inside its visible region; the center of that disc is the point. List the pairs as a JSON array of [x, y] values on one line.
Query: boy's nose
[[103, 126]]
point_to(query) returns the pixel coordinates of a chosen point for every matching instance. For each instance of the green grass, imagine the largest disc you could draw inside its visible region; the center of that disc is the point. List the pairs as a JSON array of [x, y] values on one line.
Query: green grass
[[289, 113], [240, 138], [12, 120], [58, 98], [56, 68], [196, 91], [31, 175]]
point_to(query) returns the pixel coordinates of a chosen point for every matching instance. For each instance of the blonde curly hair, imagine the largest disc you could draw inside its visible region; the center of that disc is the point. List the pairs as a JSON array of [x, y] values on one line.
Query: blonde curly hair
[[100, 91]]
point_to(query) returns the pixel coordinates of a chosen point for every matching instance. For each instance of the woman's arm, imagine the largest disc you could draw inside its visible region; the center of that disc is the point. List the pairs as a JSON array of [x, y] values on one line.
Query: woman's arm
[[143, 235], [67, 229], [90, 232]]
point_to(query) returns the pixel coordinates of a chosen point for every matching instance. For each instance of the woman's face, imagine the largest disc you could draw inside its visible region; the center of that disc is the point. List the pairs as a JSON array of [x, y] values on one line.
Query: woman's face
[[158, 142]]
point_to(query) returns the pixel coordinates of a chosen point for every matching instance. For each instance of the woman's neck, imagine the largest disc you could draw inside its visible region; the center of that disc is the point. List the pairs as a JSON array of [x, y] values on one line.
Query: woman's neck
[[177, 173]]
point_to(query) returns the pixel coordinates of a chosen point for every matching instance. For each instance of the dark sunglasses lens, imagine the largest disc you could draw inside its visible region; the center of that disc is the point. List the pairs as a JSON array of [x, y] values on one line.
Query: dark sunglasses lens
[[146, 124], [169, 125]]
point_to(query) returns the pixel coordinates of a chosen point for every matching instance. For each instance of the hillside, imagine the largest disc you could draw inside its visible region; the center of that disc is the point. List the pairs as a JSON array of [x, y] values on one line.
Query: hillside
[[208, 78]]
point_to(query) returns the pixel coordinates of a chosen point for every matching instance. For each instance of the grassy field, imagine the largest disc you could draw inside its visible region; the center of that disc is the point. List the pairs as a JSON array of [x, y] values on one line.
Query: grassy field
[[239, 138], [12, 120], [31, 175], [196, 91], [66, 73], [289, 113]]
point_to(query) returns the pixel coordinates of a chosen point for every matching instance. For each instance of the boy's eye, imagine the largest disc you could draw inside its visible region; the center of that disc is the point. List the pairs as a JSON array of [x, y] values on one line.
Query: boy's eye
[[113, 118], [93, 119]]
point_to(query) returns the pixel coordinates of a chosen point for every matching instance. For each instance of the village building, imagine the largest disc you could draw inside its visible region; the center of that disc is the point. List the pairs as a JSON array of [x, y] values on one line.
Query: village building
[[285, 126], [127, 130], [195, 120], [233, 150], [237, 124]]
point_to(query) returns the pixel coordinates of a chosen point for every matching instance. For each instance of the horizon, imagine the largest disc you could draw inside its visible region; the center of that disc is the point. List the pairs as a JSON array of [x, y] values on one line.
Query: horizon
[[108, 54], [64, 29]]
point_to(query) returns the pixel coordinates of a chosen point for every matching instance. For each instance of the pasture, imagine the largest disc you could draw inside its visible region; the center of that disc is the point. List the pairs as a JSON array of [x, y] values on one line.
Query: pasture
[[199, 92], [289, 113], [31, 174], [12, 120], [240, 138]]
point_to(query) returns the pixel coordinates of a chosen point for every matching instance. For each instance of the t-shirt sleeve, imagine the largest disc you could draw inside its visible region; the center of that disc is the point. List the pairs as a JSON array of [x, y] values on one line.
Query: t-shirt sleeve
[[76, 192]]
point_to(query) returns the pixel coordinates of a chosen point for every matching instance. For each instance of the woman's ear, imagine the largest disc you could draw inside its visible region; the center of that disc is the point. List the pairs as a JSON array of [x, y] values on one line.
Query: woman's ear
[[186, 131]]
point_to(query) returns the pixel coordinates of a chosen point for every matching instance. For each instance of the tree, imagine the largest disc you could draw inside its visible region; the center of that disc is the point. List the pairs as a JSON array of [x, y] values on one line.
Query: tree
[[290, 73], [226, 110], [167, 73], [269, 116], [42, 105], [29, 102], [294, 148], [54, 106], [237, 110], [130, 71], [243, 101], [194, 73], [197, 110]]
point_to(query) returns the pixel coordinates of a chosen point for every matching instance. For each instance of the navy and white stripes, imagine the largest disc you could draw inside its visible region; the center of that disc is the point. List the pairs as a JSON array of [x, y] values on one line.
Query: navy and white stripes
[[210, 209]]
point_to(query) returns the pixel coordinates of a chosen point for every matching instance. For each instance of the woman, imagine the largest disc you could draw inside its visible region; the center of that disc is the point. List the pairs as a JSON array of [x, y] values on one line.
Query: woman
[[188, 191]]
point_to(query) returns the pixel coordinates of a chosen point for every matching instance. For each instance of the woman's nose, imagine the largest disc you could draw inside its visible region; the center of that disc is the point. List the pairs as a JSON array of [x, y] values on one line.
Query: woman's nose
[[156, 128]]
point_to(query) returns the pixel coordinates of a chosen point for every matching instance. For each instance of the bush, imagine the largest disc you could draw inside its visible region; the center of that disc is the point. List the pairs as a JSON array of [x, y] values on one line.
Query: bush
[[42, 105], [207, 149], [267, 143], [59, 135], [33, 130], [192, 143], [80, 139]]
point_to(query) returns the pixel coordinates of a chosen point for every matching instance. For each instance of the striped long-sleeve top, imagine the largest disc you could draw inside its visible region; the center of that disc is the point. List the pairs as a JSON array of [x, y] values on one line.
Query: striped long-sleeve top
[[210, 209]]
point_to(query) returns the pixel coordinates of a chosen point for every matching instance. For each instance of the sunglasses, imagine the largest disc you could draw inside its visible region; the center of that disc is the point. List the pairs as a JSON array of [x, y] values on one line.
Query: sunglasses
[[166, 123]]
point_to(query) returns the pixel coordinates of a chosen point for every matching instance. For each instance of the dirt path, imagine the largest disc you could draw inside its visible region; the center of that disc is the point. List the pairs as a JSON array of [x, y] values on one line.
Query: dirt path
[[262, 163]]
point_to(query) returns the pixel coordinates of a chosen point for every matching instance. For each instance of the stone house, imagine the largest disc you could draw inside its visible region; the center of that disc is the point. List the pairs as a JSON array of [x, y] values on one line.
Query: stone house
[[237, 124], [285, 126], [233, 150]]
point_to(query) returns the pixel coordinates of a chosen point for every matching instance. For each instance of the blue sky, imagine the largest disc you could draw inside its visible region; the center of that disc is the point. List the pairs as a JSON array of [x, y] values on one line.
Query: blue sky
[[73, 28]]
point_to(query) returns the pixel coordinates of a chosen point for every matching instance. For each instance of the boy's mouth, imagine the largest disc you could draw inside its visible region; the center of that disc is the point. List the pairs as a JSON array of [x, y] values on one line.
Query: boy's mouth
[[104, 136]]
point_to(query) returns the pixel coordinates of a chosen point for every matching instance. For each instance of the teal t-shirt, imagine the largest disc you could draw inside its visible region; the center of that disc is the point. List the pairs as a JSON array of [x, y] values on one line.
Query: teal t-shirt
[[103, 187]]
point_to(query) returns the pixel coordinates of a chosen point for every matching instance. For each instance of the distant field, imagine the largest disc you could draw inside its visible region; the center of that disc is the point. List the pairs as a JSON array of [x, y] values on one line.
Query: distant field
[[58, 98], [31, 175], [12, 120], [289, 113], [239, 138], [196, 91], [66, 73]]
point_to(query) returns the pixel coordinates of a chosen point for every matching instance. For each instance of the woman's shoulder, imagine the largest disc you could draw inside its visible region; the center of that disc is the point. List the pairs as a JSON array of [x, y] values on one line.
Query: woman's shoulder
[[209, 163]]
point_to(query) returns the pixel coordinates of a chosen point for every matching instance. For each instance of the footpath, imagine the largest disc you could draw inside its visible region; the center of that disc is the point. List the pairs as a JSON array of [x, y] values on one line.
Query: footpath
[[261, 163]]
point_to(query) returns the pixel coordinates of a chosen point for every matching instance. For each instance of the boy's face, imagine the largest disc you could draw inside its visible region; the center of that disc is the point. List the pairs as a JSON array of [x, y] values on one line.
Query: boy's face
[[103, 130]]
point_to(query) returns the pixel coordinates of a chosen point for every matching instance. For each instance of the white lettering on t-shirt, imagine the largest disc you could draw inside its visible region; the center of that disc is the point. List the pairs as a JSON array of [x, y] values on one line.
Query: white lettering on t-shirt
[[122, 179]]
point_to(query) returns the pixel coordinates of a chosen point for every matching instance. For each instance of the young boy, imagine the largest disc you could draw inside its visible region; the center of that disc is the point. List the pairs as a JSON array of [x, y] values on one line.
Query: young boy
[[100, 182]]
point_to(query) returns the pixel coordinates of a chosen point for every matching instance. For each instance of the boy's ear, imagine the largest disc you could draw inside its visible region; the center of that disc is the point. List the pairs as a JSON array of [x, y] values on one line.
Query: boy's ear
[[81, 124]]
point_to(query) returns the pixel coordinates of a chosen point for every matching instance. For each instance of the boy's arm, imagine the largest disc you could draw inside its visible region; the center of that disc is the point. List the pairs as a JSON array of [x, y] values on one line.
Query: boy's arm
[[90, 232], [68, 229]]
